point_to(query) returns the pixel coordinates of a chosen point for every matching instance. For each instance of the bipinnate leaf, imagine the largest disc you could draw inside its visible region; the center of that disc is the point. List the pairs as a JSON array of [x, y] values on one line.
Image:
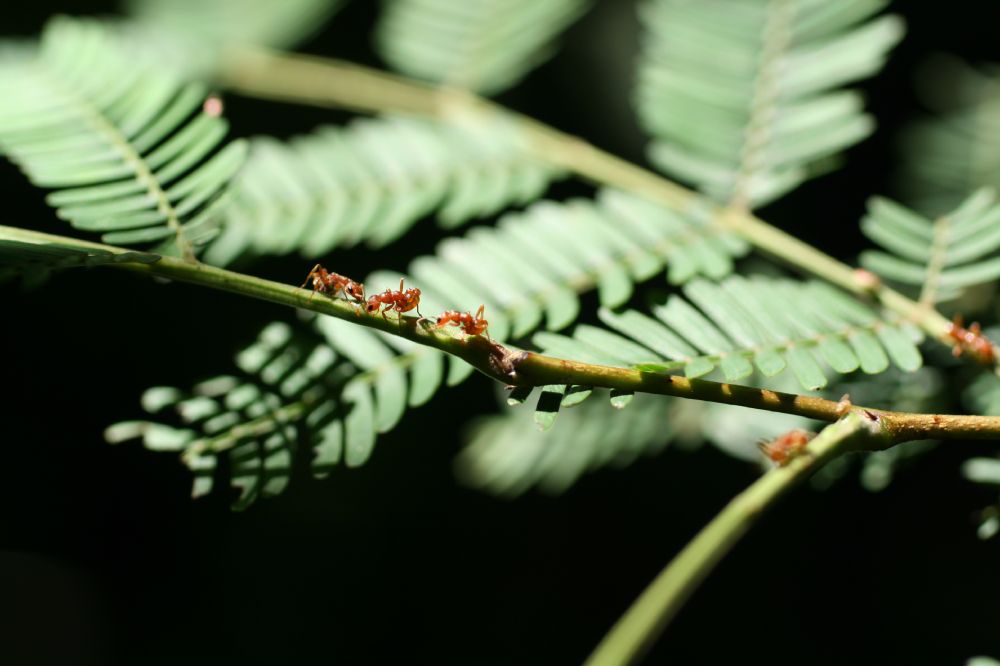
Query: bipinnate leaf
[[128, 150], [742, 325], [480, 45], [944, 257], [371, 181], [743, 97]]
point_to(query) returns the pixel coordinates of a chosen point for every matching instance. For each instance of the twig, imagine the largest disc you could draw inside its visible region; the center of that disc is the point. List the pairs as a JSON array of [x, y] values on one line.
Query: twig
[[636, 631], [524, 368], [328, 82]]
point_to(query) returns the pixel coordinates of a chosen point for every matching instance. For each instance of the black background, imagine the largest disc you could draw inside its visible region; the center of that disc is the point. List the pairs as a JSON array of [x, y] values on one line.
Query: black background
[[104, 559]]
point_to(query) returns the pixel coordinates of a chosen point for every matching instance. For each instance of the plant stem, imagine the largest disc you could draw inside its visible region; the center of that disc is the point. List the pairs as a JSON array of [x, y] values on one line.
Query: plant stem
[[513, 366], [636, 631], [328, 82]]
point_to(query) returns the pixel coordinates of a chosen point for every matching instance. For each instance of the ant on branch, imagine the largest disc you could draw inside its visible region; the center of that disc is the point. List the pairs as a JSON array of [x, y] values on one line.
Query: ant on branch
[[324, 281], [786, 447], [971, 341], [401, 301], [471, 325]]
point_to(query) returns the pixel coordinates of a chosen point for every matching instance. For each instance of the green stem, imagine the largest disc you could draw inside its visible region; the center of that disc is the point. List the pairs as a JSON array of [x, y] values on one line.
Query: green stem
[[327, 82], [636, 631], [513, 366]]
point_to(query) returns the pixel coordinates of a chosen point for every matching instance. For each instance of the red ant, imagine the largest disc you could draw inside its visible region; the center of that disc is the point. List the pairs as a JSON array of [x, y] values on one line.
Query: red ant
[[787, 446], [471, 325], [402, 300], [971, 341], [324, 281]]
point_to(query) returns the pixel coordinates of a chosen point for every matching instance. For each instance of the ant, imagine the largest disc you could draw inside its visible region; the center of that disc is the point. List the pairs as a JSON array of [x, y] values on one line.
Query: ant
[[471, 325], [786, 447], [401, 301], [971, 341], [325, 281]]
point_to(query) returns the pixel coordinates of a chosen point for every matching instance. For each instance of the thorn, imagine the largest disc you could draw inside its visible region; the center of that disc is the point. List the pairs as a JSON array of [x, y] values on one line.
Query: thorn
[[844, 405]]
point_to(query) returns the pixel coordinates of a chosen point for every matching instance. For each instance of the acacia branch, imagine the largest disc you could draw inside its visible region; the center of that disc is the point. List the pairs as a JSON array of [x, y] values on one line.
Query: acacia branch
[[636, 631], [327, 82], [524, 368]]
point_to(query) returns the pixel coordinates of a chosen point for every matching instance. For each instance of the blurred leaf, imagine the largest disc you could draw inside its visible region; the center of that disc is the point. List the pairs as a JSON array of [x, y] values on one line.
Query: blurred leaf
[[128, 149], [743, 96], [484, 46]]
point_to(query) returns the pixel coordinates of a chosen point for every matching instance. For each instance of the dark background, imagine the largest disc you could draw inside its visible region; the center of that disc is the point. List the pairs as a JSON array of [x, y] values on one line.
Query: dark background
[[104, 559]]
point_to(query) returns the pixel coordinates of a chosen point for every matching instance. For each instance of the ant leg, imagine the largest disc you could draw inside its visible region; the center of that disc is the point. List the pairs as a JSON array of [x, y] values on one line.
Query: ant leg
[[309, 277]]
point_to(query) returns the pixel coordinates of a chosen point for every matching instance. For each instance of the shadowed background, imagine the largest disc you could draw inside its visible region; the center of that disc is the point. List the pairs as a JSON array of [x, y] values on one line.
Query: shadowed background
[[105, 560]]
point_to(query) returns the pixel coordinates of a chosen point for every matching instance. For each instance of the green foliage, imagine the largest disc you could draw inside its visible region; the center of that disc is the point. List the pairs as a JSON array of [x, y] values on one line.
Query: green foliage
[[743, 97], [511, 452], [293, 385], [222, 22], [535, 263], [128, 149], [744, 323], [957, 150], [484, 46], [617, 240], [372, 180], [944, 257], [34, 260], [508, 454]]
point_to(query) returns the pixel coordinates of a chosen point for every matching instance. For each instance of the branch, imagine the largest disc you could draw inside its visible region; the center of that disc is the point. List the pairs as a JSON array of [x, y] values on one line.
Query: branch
[[327, 82], [523, 368], [642, 623]]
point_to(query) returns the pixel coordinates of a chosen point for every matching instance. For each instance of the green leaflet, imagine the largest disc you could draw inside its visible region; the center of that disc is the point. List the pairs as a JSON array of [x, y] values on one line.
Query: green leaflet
[[129, 151], [742, 324], [944, 257], [25, 254], [480, 45], [372, 180], [742, 96]]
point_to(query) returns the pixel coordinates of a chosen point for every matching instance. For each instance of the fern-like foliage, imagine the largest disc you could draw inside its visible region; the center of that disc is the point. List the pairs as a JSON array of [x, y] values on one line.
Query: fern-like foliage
[[293, 385], [484, 46], [372, 378], [742, 96], [534, 264], [215, 23], [372, 180], [128, 149], [957, 150], [515, 450], [743, 324], [509, 454], [943, 257]]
